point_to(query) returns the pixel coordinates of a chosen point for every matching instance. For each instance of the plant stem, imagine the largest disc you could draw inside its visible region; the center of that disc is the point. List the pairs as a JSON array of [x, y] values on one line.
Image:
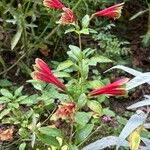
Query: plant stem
[[76, 4], [49, 116], [71, 130], [99, 127], [80, 45]]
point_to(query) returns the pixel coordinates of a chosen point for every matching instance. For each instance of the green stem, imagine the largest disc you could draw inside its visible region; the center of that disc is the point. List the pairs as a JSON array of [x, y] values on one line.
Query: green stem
[[49, 116], [76, 4], [71, 131], [80, 45]]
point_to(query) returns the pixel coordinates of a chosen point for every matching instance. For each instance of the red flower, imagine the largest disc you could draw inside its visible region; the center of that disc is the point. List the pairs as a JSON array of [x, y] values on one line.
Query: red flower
[[42, 72], [67, 17], [116, 88], [53, 4], [111, 12], [65, 110]]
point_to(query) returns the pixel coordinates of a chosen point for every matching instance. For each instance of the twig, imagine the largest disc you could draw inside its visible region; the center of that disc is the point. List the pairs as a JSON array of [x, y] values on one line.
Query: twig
[[3, 72]]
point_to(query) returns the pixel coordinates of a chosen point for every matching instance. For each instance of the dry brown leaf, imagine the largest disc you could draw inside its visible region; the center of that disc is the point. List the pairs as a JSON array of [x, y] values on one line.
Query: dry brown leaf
[[45, 52], [6, 135]]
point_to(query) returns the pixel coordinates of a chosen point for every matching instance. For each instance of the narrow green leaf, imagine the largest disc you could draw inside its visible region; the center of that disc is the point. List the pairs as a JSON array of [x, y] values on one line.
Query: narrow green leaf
[[99, 59], [138, 14], [69, 30], [84, 31], [82, 100], [22, 146], [18, 91], [85, 21], [4, 113], [16, 38], [95, 106], [5, 83], [48, 140], [6, 93], [64, 65], [76, 51], [84, 132], [50, 131], [4, 99], [82, 118]]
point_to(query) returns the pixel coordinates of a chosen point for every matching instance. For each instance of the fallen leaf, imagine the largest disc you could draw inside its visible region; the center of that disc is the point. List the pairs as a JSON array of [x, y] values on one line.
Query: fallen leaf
[[6, 135]]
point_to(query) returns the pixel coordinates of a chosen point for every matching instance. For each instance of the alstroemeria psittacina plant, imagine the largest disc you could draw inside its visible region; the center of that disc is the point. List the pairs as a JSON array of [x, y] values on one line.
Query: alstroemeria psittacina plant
[[67, 17], [111, 12], [43, 72], [116, 88], [56, 4], [64, 111]]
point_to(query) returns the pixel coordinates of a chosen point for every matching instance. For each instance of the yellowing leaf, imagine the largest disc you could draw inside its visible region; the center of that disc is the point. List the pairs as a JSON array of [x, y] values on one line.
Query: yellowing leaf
[[134, 138], [65, 147]]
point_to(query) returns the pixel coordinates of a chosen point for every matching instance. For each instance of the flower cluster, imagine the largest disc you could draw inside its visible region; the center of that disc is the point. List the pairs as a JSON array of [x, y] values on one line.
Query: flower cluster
[[68, 15]]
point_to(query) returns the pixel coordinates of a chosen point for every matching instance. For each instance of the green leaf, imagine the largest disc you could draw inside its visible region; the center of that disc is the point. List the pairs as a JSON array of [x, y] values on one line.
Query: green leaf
[[99, 59], [85, 68], [146, 39], [48, 140], [50, 131], [85, 21], [13, 105], [108, 112], [6, 93], [82, 118], [84, 132], [22, 146], [69, 30], [16, 38], [72, 147], [39, 85], [18, 91], [62, 74], [5, 83], [4, 100], [138, 14], [96, 84], [76, 52], [23, 132], [4, 113], [95, 106], [64, 65], [82, 100], [84, 31]]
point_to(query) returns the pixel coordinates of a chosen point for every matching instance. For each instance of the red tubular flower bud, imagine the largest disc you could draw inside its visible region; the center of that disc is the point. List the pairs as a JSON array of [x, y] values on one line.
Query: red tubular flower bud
[[111, 12], [42, 72], [56, 4], [116, 88]]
